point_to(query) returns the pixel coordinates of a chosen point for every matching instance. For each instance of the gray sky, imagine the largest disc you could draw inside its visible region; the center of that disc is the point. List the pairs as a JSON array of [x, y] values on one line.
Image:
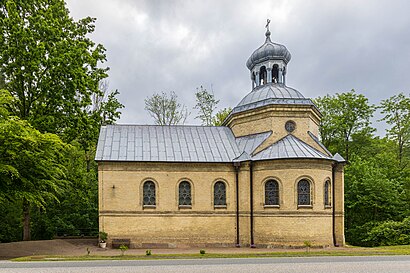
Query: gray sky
[[154, 46]]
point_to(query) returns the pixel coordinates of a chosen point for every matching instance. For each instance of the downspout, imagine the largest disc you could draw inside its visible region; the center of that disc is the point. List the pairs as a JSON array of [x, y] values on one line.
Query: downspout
[[251, 200], [334, 165], [237, 165]]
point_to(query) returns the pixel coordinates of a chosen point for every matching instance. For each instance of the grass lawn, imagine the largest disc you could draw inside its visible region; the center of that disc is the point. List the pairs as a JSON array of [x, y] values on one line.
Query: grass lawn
[[346, 251]]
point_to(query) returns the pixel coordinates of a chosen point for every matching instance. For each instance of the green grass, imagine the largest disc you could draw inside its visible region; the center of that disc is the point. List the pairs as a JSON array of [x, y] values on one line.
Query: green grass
[[348, 251]]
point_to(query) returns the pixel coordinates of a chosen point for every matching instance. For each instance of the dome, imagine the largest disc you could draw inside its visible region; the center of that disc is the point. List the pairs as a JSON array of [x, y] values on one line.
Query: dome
[[271, 93], [268, 51]]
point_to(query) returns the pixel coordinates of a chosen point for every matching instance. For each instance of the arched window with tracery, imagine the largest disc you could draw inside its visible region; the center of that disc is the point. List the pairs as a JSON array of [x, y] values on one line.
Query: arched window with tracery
[[220, 194], [271, 193], [149, 193], [327, 193], [184, 190], [304, 198]]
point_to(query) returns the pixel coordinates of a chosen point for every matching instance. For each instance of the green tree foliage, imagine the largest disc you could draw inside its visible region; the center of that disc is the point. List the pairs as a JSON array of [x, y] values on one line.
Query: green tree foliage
[[345, 116], [377, 186], [219, 117], [76, 211], [166, 110], [396, 112], [373, 194], [49, 64], [31, 166], [52, 72], [389, 233], [206, 105]]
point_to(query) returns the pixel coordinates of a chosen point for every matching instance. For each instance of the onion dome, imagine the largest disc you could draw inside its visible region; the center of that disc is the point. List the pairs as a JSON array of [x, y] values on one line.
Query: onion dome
[[268, 51]]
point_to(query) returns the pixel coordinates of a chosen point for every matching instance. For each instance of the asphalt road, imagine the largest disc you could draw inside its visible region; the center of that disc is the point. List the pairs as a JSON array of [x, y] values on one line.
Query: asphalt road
[[372, 264]]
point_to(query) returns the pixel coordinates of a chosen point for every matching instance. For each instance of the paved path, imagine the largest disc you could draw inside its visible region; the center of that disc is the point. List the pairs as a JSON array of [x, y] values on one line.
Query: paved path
[[373, 264]]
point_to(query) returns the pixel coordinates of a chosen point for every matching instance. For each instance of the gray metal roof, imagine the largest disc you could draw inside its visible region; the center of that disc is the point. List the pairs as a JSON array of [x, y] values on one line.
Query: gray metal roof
[[250, 142], [289, 147], [152, 143], [166, 143], [271, 93], [268, 51], [319, 143]]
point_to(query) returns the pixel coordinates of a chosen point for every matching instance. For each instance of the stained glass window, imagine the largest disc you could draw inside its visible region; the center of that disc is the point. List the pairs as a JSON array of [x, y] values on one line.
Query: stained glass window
[[185, 194], [271, 193], [149, 193], [327, 193], [219, 193], [304, 192]]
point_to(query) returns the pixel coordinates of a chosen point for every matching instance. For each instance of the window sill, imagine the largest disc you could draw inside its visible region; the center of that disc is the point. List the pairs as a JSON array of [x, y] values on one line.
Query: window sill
[[305, 207], [220, 206], [149, 206], [271, 206], [185, 206], [328, 206]]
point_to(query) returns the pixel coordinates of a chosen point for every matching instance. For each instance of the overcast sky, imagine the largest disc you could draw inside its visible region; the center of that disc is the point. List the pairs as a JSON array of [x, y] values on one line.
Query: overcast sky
[[154, 46]]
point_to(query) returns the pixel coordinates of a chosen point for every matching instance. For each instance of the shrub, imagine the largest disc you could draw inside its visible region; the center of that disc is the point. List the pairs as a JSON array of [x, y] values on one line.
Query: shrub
[[202, 251], [123, 248], [148, 252], [389, 233]]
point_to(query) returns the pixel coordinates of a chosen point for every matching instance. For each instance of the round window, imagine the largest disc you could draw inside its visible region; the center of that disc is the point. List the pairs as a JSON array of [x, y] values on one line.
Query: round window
[[290, 126]]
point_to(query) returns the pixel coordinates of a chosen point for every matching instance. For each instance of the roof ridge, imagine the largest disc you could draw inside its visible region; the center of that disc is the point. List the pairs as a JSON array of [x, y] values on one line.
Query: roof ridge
[[255, 134], [156, 125], [310, 146]]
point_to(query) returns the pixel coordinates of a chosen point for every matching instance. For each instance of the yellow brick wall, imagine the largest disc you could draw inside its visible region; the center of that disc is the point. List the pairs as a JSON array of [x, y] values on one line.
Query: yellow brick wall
[[122, 214], [273, 118]]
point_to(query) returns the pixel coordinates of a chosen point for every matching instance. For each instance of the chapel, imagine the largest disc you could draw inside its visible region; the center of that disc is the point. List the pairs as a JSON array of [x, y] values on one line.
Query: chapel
[[263, 179]]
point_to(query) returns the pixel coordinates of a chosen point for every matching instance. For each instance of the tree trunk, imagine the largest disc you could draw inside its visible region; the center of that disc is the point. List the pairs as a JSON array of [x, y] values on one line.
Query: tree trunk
[[26, 221]]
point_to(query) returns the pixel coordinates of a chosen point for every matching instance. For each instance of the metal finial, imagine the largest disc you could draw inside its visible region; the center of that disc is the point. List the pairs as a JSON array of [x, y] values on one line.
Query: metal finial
[[267, 34]]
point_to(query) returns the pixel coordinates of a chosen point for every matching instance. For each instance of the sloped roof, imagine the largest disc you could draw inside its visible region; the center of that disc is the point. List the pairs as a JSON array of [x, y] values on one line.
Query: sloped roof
[[289, 147], [271, 93], [166, 143], [249, 143], [151, 143]]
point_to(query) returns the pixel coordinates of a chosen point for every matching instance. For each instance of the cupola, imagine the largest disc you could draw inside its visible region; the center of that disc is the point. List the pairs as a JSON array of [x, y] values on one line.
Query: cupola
[[268, 63]]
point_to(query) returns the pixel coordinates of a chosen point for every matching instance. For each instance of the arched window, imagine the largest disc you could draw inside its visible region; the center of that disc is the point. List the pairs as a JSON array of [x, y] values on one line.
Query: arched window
[[327, 193], [262, 75], [185, 198], [149, 193], [304, 192], [271, 192], [220, 194], [275, 74]]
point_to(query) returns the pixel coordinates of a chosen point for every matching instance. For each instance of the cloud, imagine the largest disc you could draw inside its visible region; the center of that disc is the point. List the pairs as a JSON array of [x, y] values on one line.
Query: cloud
[[155, 46]]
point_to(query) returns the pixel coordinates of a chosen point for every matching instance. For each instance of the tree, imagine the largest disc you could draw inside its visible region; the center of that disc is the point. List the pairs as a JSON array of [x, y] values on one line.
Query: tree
[[31, 166], [344, 116], [49, 64], [374, 193], [206, 105], [166, 110], [396, 112], [52, 69], [219, 117]]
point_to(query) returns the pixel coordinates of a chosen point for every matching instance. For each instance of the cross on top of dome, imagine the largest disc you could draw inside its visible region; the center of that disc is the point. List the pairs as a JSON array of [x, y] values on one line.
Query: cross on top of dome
[[268, 62]]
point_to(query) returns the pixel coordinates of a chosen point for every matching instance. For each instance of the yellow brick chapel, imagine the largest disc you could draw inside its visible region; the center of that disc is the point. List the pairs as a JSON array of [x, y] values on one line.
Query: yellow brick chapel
[[261, 180]]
